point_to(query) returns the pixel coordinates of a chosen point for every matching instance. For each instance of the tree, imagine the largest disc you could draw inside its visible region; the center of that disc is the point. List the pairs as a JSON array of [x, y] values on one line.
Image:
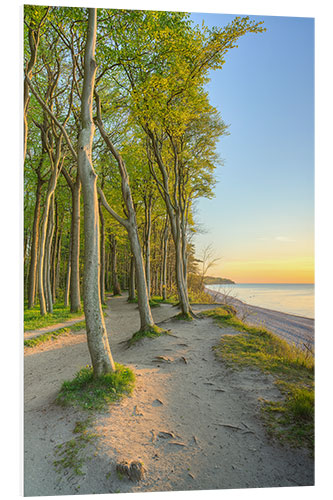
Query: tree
[[98, 343]]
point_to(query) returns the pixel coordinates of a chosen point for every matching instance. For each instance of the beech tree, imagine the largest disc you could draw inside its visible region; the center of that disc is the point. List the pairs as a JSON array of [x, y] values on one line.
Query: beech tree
[[98, 342], [120, 110]]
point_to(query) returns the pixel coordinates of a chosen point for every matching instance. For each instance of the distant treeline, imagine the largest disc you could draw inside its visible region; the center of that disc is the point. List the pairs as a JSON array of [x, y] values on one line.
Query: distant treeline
[[210, 280]]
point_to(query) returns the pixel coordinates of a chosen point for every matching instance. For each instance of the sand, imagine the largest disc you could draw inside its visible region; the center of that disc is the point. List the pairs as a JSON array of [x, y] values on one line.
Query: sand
[[192, 422]]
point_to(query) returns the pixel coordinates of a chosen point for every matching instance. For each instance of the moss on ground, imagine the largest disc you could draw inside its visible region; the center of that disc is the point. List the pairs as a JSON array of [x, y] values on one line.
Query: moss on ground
[[151, 332]]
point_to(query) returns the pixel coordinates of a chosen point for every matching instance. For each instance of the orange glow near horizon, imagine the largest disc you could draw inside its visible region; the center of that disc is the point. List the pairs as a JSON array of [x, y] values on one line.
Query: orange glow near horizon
[[296, 270]]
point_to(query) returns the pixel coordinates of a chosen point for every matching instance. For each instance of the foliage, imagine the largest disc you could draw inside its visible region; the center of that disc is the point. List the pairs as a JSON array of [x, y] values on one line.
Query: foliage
[[94, 393]]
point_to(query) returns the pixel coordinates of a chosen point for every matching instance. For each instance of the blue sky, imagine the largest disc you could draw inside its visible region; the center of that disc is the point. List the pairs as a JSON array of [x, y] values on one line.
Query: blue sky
[[264, 205]]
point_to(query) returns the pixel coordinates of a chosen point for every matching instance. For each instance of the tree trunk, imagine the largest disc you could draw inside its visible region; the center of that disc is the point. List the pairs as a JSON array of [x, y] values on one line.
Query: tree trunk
[[98, 342], [53, 253], [48, 263], [165, 259], [102, 254], [146, 317], [131, 281], [147, 242], [68, 273], [114, 274], [58, 262], [173, 211], [42, 253], [34, 247], [130, 225], [75, 294]]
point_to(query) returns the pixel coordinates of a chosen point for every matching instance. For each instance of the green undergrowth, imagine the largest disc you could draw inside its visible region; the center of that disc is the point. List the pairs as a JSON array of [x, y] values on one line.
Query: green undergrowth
[[200, 297], [40, 339], [94, 393], [33, 320], [291, 419], [152, 332]]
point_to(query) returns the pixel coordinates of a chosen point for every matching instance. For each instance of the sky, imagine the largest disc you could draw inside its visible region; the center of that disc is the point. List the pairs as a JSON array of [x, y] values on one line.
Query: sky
[[261, 221]]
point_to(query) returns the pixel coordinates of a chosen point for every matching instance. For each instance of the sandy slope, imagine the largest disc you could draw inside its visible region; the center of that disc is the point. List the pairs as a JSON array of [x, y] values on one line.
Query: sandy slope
[[294, 329], [193, 423]]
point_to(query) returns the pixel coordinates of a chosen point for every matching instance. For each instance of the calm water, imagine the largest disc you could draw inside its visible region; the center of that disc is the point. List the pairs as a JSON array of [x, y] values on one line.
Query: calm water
[[289, 298]]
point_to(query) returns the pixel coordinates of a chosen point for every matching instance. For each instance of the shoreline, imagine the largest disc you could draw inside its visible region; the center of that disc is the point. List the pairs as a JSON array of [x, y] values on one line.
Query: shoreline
[[294, 329]]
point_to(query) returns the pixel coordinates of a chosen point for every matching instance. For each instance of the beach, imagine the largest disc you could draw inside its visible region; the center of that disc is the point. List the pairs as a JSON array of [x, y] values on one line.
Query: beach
[[294, 329]]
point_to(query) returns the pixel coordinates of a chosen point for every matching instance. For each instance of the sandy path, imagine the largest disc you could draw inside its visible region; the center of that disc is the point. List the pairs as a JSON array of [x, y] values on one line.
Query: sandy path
[[28, 334], [177, 421]]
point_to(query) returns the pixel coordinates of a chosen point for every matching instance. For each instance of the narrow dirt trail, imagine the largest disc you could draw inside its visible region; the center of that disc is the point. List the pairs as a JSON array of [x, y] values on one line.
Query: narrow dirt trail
[[193, 423]]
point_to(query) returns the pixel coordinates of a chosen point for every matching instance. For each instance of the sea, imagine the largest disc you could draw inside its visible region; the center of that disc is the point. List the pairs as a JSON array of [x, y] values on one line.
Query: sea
[[297, 299]]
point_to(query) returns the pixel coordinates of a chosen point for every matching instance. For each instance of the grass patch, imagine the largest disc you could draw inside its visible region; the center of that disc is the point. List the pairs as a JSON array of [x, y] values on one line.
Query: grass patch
[[92, 393], [292, 419], [40, 339], [154, 331], [183, 317], [71, 453], [33, 320]]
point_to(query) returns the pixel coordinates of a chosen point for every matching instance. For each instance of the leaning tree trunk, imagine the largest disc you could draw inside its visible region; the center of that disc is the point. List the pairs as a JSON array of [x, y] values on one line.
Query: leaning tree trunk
[[130, 224], [98, 342]]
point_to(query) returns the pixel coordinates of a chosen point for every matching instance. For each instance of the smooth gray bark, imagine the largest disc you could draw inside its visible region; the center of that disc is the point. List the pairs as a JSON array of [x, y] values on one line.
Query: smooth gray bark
[[165, 259], [146, 318], [130, 224], [47, 259], [114, 274], [102, 254], [131, 281], [98, 342], [75, 293], [68, 273], [148, 204], [174, 214], [34, 246], [43, 233]]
